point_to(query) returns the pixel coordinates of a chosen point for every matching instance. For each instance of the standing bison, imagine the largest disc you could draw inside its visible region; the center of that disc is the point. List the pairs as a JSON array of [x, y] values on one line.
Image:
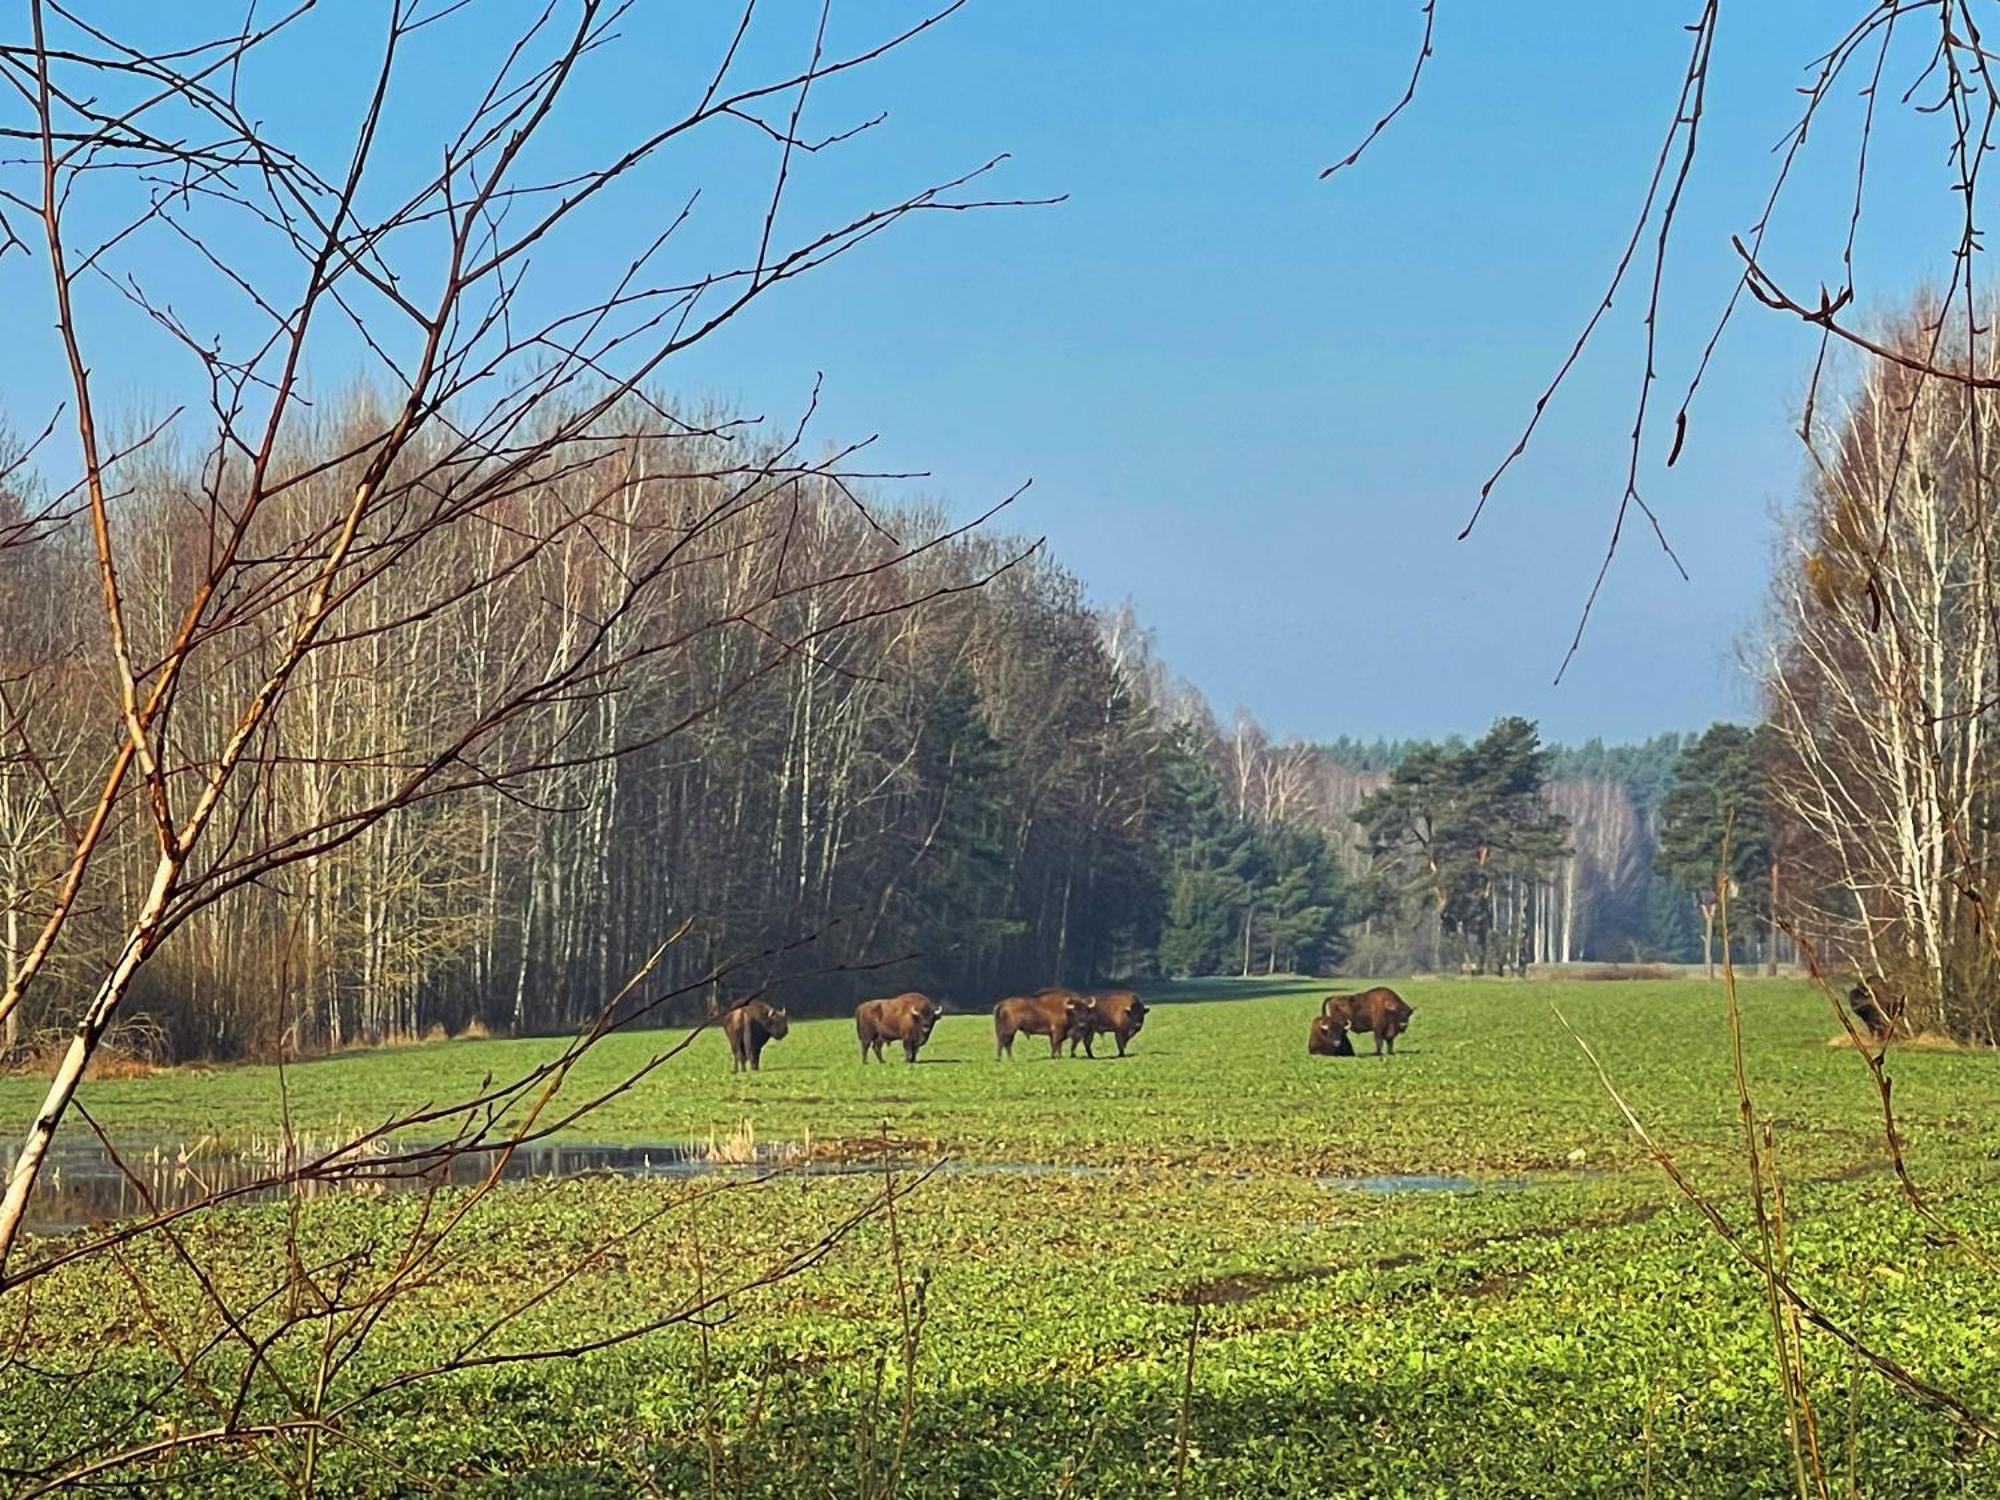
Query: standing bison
[[1379, 1010], [907, 1018], [1052, 1013], [1119, 1012], [1328, 1038], [749, 1026]]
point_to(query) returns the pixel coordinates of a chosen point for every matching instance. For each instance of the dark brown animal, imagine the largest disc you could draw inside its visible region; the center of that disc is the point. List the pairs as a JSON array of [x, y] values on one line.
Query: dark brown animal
[[1051, 1013], [907, 1018], [1119, 1012], [1876, 1006], [1328, 1038], [1379, 1010], [749, 1026]]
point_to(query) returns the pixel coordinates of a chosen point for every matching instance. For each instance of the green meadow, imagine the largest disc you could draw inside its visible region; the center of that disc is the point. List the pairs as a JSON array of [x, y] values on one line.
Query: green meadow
[[1131, 1277]]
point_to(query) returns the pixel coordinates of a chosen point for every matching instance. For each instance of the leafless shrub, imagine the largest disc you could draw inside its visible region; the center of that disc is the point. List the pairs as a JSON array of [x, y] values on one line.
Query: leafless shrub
[[1608, 971], [243, 545]]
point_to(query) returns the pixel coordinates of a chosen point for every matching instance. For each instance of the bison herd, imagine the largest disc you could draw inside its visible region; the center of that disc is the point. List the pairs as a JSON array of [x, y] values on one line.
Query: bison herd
[[1068, 1016], [1064, 1016]]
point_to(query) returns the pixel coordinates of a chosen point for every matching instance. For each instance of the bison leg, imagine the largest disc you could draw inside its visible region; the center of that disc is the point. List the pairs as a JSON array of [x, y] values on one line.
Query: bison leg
[[1055, 1044], [1121, 1042], [909, 1050]]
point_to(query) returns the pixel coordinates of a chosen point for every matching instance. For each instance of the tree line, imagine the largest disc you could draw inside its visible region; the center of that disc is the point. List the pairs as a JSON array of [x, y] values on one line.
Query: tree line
[[955, 774]]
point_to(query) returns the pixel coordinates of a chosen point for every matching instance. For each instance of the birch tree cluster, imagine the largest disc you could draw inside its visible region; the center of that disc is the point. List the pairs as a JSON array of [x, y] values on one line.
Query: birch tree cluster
[[835, 739], [1881, 684]]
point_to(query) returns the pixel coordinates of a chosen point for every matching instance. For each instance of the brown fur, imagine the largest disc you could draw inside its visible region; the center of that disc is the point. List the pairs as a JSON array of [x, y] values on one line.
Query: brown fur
[[907, 1018], [1379, 1010], [749, 1026], [1119, 1012], [1328, 1038], [1050, 1013]]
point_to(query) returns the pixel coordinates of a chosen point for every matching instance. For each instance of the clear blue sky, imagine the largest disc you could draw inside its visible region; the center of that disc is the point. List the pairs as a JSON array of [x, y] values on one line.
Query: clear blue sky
[[1259, 404]]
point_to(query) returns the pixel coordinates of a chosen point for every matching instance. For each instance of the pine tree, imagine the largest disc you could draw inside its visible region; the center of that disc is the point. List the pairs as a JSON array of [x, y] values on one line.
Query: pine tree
[[1716, 827], [1466, 829], [1207, 854], [960, 894]]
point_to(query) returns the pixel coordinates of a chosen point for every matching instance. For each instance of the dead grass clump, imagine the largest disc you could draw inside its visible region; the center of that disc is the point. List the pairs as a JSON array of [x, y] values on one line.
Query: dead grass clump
[[135, 1048], [1922, 1041], [1616, 971]]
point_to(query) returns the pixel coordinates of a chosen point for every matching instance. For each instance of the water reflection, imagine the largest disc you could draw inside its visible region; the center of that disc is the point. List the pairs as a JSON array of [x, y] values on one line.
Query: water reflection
[[81, 1185]]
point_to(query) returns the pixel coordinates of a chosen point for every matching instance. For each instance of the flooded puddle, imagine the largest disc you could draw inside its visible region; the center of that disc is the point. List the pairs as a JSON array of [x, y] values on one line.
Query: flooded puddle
[[81, 1185]]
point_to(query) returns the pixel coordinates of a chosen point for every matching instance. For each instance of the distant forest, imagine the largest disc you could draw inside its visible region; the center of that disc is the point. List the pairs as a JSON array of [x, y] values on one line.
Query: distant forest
[[967, 780]]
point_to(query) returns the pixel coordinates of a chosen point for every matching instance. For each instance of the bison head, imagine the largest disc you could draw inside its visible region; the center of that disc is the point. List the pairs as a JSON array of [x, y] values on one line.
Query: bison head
[[778, 1023]]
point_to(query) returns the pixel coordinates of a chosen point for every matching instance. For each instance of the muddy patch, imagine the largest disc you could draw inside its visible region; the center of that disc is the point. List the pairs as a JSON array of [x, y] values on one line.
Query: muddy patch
[[1241, 1286]]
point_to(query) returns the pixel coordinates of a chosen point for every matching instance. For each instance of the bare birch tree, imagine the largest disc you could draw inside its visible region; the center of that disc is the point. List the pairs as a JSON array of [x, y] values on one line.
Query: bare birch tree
[[261, 696], [1881, 680]]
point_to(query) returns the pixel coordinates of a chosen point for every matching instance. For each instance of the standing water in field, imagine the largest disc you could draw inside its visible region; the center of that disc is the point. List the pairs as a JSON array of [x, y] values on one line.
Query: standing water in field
[[83, 1184], [1419, 1182]]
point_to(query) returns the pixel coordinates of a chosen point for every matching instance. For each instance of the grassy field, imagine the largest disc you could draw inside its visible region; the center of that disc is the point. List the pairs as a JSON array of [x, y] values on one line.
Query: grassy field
[[1569, 1328]]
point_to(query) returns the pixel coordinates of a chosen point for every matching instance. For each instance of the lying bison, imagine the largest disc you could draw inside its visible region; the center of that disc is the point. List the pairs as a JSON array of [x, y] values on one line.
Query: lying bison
[[749, 1026], [1052, 1013], [908, 1018], [1379, 1010], [1328, 1038], [1119, 1012]]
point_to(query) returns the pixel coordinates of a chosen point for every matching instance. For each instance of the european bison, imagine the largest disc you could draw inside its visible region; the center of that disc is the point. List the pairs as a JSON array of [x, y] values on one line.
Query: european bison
[[1328, 1038], [1876, 1006], [906, 1018], [1051, 1013], [749, 1026], [1119, 1012], [1379, 1010]]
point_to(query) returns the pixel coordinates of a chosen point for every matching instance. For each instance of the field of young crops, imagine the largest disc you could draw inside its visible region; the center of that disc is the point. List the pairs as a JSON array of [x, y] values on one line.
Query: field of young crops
[[1181, 1271]]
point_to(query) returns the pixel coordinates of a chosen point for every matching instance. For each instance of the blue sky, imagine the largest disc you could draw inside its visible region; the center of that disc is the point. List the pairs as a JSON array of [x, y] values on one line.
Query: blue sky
[[1257, 404]]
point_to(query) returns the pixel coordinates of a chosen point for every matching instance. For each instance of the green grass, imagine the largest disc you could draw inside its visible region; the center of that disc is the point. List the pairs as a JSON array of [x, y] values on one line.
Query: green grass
[[1582, 1334]]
